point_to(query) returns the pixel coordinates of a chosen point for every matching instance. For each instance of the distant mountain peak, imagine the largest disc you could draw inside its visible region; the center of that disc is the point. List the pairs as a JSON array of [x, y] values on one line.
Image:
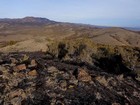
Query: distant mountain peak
[[30, 17], [34, 19], [28, 20]]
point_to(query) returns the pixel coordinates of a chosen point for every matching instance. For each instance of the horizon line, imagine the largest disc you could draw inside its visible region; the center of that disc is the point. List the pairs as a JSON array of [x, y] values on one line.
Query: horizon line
[[83, 23]]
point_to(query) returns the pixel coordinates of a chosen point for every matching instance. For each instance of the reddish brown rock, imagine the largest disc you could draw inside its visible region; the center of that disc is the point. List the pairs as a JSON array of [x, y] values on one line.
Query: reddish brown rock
[[20, 67], [33, 73], [83, 76]]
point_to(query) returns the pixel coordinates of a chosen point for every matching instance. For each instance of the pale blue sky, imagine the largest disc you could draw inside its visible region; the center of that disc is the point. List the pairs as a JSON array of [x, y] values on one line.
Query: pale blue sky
[[96, 12]]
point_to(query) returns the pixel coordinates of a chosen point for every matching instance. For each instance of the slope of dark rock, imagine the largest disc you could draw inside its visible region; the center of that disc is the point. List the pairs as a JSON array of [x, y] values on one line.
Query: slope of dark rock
[[37, 79]]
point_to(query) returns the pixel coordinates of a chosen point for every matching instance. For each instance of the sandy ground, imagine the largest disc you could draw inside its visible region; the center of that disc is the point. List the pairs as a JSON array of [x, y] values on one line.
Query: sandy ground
[[34, 44]]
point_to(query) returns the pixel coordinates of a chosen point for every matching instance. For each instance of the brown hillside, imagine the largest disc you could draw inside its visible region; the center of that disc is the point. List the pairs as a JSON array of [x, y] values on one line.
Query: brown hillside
[[31, 28]]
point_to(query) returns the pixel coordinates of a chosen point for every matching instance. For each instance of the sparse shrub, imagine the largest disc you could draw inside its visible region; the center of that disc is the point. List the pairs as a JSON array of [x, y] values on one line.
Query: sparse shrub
[[62, 51], [8, 43], [103, 51], [79, 49], [61, 45], [112, 64], [11, 43], [38, 40]]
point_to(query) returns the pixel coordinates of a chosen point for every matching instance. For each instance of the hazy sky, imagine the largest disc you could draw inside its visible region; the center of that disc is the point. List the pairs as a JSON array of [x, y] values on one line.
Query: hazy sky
[[97, 12]]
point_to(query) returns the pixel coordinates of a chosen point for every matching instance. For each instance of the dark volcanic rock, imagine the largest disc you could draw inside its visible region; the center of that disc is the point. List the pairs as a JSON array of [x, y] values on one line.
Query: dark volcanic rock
[[40, 81]]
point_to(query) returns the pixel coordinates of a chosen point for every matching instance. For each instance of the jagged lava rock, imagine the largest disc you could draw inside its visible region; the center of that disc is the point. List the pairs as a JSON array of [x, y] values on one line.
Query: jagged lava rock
[[83, 75]]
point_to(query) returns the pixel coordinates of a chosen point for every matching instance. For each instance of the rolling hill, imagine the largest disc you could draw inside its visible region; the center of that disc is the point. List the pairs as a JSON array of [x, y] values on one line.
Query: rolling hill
[[31, 30]]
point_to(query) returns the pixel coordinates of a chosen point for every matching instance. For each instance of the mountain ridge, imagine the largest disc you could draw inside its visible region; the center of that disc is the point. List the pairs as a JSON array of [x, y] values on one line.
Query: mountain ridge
[[27, 20], [32, 19]]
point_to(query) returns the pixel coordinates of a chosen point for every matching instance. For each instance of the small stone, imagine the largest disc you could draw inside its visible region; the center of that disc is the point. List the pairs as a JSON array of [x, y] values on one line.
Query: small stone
[[17, 93], [120, 77], [52, 69], [25, 57], [20, 67], [63, 84], [12, 64], [71, 86], [13, 60], [13, 82], [66, 76], [102, 80], [19, 75], [16, 101], [33, 73], [83, 76], [33, 62], [2, 68], [73, 81], [115, 104], [98, 96], [59, 103], [53, 102]]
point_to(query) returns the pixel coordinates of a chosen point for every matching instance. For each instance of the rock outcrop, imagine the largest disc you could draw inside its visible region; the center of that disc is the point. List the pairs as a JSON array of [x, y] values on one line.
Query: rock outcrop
[[36, 79]]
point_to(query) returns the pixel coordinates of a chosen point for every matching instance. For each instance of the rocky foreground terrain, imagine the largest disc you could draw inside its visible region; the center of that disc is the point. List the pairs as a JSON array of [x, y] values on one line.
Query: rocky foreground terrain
[[40, 79]]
